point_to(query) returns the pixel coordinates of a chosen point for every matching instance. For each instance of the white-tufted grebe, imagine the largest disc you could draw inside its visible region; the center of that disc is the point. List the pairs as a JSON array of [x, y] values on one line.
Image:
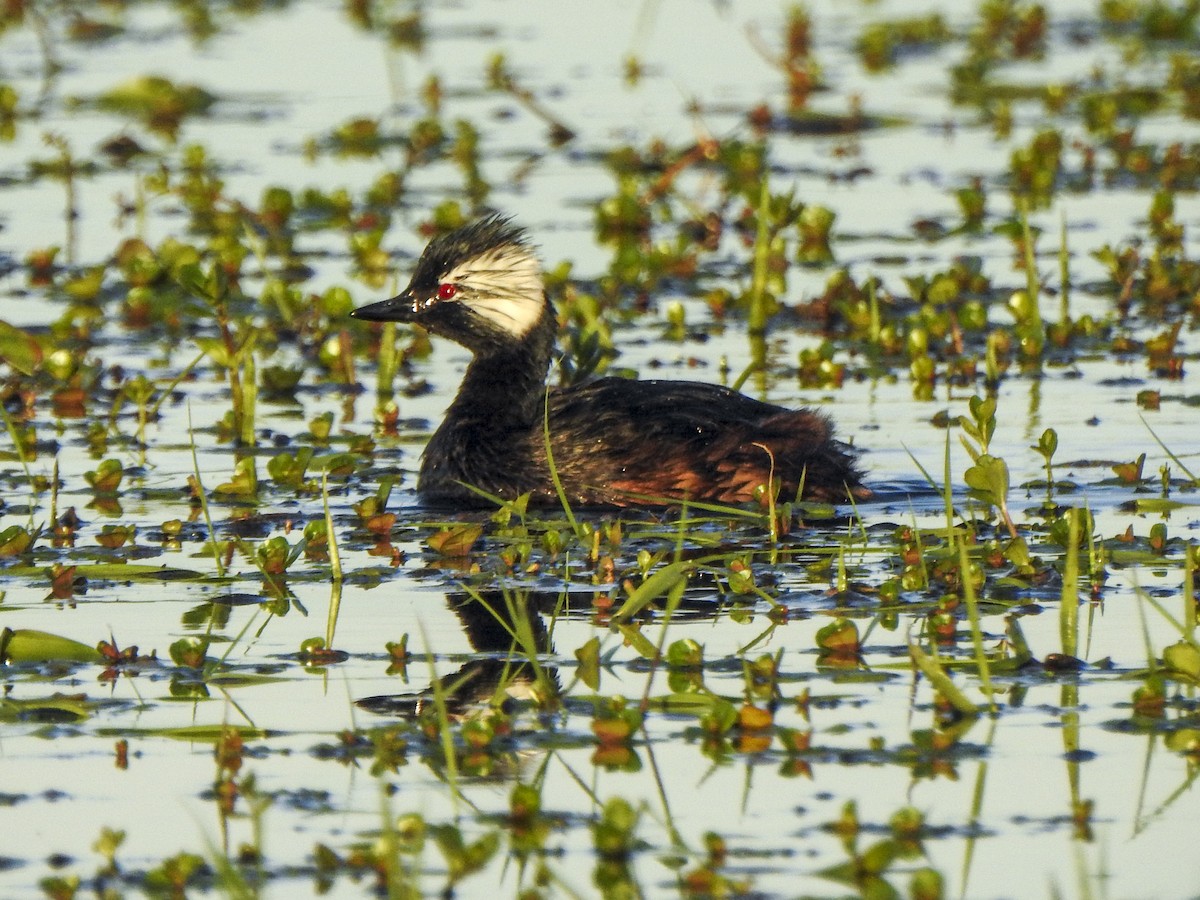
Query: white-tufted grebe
[[614, 441]]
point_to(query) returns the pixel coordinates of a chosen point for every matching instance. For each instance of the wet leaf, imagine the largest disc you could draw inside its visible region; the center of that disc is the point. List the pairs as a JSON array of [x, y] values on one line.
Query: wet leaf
[[55, 708], [685, 653], [288, 469], [339, 465], [107, 476], [14, 540], [455, 541], [754, 718], [686, 702], [839, 639], [876, 859], [117, 572], [1183, 740], [156, 101], [941, 681], [208, 734], [114, 536], [244, 482], [657, 585], [1130, 472], [27, 645], [988, 478], [1183, 658], [189, 652], [462, 859], [1157, 505], [589, 663], [638, 641], [19, 349]]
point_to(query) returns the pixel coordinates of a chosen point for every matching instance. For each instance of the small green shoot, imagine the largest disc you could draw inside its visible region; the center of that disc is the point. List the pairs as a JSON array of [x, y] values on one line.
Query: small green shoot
[[972, 601], [1068, 623]]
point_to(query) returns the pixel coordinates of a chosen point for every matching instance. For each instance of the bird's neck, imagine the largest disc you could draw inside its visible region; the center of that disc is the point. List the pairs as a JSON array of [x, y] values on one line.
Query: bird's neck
[[504, 385]]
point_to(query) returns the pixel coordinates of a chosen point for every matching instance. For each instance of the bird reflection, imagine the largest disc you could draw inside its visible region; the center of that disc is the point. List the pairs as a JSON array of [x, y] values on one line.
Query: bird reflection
[[507, 631]]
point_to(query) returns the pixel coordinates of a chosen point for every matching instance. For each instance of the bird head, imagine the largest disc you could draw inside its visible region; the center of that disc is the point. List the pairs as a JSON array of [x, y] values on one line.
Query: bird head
[[479, 285]]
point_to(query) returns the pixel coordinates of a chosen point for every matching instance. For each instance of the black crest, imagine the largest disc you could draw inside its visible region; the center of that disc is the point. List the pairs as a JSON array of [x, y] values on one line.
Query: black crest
[[448, 250]]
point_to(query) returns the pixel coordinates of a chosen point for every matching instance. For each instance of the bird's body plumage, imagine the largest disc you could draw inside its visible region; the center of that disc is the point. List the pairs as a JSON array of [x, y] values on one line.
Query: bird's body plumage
[[613, 441]]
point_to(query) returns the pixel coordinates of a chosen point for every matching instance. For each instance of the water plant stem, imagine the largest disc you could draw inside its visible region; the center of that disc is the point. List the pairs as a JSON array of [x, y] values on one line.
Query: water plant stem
[[1191, 554], [335, 557], [759, 302], [932, 669], [249, 398], [947, 491], [1064, 275], [335, 563], [67, 171], [53, 494], [389, 361], [1032, 285], [1195, 479], [972, 602], [1068, 607], [445, 733], [558, 485], [200, 494]]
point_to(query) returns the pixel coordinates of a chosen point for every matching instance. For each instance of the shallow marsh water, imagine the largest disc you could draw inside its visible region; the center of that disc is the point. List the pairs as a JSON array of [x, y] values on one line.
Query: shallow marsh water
[[1067, 790]]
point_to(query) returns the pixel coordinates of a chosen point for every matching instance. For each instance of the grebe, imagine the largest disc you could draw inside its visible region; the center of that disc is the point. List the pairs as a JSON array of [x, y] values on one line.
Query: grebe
[[614, 441]]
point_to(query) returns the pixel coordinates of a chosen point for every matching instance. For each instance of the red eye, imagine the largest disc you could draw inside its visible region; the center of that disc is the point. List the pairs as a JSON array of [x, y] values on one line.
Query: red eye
[[447, 291]]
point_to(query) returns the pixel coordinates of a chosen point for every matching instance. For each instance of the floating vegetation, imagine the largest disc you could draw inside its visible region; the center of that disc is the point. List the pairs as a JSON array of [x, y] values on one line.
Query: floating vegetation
[[970, 238]]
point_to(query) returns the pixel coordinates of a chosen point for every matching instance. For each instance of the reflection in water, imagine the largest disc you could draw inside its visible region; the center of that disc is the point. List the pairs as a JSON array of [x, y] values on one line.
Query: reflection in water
[[507, 632]]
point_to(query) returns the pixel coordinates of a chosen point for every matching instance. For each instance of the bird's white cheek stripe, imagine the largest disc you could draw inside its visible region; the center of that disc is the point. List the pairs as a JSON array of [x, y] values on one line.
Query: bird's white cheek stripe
[[516, 315], [505, 287]]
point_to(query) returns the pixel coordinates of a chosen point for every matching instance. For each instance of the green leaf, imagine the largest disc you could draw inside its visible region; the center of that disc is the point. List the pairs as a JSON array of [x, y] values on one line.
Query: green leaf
[[1016, 552], [1047, 443], [989, 479], [657, 585], [215, 349], [114, 572], [288, 469], [589, 663], [839, 638], [685, 653], [695, 704], [244, 482], [876, 859], [339, 465], [1183, 658], [941, 681], [14, 540], [107, 476], [638, 641], [56, 708], [19, 349], [1156, 505], [27, 645], [983, 411], [207, 733]]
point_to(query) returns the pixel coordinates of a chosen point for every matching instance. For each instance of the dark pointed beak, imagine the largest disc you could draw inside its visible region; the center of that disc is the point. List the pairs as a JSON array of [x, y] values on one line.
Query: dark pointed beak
[[405, 307]]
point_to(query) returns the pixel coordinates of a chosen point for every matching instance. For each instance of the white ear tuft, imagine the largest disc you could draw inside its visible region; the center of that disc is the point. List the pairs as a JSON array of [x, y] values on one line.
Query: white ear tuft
[[503, 285]]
